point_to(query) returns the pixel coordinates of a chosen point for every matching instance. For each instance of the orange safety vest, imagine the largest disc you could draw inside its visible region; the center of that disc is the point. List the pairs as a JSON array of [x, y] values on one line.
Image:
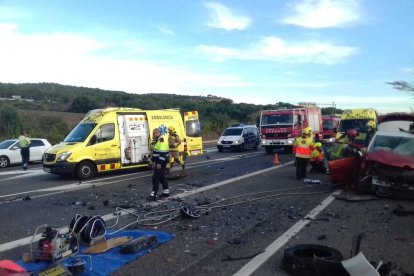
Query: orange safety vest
[[303, 147]]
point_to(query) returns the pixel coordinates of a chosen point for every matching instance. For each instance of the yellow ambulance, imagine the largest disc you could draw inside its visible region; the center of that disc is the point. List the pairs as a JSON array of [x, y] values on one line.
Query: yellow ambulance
[[118, 138], [357, 119]]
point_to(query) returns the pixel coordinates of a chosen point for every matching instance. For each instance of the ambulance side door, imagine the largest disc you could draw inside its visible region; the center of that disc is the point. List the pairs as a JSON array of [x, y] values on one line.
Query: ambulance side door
[[193, 133]]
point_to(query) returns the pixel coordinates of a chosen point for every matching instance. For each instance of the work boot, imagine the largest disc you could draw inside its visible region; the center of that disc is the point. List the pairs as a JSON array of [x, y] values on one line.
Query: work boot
[[164, 195], [152, 198]]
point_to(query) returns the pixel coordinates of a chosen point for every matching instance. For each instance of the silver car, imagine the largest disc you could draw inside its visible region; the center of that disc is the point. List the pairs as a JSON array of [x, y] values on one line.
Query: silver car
[[10, 151]]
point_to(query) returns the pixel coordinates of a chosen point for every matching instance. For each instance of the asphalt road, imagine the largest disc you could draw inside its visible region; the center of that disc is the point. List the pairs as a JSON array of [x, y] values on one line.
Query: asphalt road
[[257, 210]]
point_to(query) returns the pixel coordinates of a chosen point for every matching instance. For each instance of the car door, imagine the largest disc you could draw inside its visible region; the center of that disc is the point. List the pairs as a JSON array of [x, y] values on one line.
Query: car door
[[37, 148], [344, 161], [14, 154]]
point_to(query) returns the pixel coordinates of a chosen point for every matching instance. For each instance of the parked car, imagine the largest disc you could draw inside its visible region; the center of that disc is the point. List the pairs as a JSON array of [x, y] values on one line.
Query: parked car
[[10, 151], [387, 166], [239, 137]]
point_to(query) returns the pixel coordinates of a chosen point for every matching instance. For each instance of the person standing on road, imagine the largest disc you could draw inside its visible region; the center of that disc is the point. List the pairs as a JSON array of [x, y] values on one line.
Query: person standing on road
[[160, 159], [302, 148], [174, 141], [24, 144]]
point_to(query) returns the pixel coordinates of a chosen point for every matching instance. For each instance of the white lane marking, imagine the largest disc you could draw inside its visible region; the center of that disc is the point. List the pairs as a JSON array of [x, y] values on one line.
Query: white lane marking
[[260, 259], [96, 182], [28, 174], [19, 172], [27, 240]]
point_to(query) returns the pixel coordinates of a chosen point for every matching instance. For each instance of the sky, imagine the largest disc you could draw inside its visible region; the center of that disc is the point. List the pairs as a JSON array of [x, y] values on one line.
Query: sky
[[253, 51]]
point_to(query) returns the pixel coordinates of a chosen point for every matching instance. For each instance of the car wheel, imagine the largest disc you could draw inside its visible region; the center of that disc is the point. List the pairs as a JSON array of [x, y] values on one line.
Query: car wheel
[[219, 149], [256, 147], [4, 161], [242, 147], [85, 170]]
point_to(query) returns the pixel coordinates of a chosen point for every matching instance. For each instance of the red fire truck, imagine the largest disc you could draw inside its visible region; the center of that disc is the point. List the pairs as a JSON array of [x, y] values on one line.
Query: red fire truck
[[330, 127], [279, 128]]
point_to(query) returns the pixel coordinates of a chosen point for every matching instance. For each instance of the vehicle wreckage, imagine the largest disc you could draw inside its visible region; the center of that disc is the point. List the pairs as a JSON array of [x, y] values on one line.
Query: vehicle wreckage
[[386, 166]]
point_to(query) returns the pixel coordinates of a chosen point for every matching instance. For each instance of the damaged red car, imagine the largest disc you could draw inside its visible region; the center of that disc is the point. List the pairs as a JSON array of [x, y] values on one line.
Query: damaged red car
[[386, 168]]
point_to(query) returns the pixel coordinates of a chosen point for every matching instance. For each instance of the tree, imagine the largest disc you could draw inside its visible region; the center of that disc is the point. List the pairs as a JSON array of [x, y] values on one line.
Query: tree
[[10, 122], [403, 86], [82, 104]]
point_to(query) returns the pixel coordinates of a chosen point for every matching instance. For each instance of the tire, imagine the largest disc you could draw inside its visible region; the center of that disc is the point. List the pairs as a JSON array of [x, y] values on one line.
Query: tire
[[4, 161], [242, 147], [220, 149], [269, 150], [299, 259], [256, 147], [85, 170]]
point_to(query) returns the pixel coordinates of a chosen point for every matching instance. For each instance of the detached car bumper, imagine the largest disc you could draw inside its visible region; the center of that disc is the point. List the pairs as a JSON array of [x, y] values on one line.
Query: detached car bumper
[[60, 168]]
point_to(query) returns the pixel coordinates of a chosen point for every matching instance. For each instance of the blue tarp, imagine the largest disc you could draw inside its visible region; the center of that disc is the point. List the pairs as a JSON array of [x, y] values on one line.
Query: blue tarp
[[107, 262]]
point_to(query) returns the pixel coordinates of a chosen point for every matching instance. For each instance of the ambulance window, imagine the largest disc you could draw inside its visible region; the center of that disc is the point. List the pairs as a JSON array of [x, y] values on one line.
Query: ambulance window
[[193, 128], [80, 132], [105, 133]]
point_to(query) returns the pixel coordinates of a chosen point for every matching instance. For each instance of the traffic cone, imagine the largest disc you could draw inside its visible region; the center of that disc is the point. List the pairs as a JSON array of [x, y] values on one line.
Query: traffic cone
[[276, 160]]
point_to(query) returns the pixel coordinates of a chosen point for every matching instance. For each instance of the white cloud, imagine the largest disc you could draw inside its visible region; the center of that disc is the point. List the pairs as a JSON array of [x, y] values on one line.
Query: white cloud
[[73, 60], [277, 49], [317, 14], [221, 17]]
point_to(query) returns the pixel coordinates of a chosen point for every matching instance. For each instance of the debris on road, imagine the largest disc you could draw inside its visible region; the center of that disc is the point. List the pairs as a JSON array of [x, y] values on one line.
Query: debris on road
[[355, 198], [401, 212], [229, 258]]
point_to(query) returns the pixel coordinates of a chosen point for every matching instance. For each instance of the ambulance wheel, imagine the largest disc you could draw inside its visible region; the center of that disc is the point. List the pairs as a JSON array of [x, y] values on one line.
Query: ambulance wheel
[[85, 170], [4, 161]]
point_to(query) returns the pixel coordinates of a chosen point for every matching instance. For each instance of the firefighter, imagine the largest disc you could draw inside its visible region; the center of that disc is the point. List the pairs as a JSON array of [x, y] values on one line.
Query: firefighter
[[174, 142], [343, 143], [317, 159], [371, 129], [302, 149], [160, 159]]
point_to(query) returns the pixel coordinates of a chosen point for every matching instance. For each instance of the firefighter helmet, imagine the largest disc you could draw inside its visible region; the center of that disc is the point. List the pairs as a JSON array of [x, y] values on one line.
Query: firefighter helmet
[[318, 144], [371, 124], [352, 133], [306, 130]]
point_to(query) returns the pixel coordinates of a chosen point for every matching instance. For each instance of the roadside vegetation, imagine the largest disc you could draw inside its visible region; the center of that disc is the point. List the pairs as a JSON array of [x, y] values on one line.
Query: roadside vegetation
[[50, 110]]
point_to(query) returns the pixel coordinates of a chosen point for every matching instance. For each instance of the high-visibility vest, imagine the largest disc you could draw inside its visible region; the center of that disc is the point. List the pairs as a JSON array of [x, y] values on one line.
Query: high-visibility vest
[[303, 147], [317, 155], [160, 152], [24, 142]]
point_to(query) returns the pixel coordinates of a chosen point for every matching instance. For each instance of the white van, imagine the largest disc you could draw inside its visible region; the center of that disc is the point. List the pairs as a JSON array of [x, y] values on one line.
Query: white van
[[239, 137]]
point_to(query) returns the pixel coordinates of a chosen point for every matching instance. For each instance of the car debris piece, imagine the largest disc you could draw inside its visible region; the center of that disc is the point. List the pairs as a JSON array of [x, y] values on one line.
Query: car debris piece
[[401, 212], [356, 266], [355, 198], [229, 258]]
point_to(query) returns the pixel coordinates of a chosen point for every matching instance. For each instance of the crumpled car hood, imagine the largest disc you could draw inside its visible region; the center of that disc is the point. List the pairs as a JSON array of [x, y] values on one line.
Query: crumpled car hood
[[390, 158]]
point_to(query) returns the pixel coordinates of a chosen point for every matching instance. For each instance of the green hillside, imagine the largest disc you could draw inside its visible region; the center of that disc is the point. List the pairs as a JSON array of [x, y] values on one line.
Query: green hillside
[[50, 110]]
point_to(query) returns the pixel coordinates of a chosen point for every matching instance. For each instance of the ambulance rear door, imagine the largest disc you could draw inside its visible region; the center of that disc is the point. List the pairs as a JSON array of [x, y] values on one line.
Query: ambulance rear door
[[193, 133]]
